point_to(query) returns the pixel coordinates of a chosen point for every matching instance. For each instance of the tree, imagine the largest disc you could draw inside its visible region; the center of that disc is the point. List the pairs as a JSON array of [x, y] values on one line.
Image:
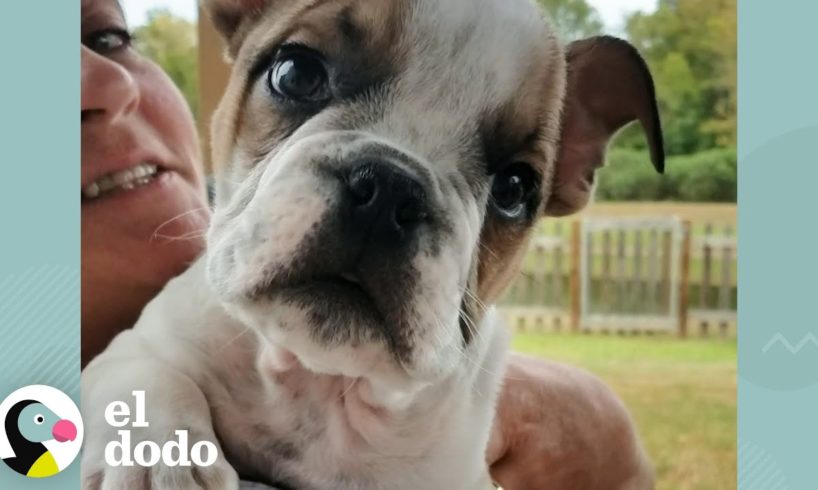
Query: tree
[[691, 48], [574, 19], [172, 42]]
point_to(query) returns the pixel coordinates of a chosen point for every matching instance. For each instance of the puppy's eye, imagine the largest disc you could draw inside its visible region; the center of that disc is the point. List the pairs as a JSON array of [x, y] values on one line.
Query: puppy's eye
[[299, 76], [513, 189]]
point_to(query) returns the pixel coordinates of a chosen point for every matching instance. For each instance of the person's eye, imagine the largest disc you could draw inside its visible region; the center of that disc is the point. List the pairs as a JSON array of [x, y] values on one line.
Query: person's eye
[[299, 75], [512, 190], [108, 41]]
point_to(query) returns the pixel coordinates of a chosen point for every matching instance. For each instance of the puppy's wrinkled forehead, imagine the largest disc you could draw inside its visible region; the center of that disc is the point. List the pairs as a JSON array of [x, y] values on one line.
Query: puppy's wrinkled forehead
[[426, 74], [470, 65]]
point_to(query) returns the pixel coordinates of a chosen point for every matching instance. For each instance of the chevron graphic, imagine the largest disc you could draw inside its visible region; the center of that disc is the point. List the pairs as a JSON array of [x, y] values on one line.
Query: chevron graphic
[[779, 338]]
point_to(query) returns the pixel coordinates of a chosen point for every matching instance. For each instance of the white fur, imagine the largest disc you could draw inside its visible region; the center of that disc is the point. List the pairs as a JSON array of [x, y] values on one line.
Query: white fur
[[202, 369], [248, 374]]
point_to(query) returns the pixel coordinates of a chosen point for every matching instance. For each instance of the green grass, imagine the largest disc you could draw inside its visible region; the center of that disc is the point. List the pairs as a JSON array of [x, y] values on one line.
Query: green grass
[[681, 393]]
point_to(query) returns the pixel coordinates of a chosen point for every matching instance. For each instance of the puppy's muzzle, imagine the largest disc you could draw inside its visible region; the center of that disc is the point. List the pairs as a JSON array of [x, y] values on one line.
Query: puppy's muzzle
[[356, 259], [383, 204]]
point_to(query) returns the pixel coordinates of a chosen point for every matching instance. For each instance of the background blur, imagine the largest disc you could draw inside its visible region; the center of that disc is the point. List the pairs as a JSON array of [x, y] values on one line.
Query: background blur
[[640, 288]]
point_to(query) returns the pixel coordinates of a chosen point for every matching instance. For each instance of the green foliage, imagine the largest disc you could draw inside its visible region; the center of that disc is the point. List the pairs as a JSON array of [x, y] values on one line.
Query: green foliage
[[172, 43], [629, 176], [574, 19], [690, 46], [705, 176]]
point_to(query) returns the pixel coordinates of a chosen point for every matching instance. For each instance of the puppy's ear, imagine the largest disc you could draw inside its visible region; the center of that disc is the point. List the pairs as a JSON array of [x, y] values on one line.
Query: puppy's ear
[[608, 86], [229, 15]]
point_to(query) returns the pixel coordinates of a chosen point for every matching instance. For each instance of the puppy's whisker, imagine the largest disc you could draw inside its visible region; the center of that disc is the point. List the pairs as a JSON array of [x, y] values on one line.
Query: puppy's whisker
[[467, 290], [346, 390], [487, 249], [440, 328], [470, 324], [235, 337], [475, 302], [439, 324], [438, 337], [193, 235], [156, 233], [457, 349]]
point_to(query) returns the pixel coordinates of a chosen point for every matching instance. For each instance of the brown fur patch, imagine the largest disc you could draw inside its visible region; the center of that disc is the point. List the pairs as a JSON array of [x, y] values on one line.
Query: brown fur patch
[[362, 29], [533, 118], [366, 35]]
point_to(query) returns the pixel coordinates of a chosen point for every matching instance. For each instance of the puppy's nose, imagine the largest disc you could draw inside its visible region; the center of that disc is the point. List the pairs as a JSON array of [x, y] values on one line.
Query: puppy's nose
[[385, 199]]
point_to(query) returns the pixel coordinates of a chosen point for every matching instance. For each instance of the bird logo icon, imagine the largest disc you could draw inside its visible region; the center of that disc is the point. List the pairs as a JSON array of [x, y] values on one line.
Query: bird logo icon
[[42, 431]]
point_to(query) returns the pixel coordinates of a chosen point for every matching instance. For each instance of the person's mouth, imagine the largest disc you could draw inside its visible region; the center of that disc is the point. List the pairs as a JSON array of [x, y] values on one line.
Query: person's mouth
[[121, 181]]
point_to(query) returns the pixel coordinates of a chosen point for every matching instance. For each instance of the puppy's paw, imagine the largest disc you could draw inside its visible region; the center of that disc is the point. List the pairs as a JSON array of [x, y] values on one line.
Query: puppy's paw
[[218, 476], [173, 416], [98, 474]]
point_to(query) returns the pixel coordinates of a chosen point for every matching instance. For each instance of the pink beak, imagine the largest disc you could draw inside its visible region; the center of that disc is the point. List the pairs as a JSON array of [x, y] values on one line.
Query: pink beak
[[64, 430]]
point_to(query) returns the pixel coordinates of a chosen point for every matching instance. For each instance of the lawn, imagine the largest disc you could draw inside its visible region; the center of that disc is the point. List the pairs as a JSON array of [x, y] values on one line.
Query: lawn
[[681, 393]]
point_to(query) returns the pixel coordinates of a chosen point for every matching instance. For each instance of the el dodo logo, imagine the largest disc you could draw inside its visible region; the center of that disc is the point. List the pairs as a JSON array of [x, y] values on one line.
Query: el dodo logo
[[41, 431], [149, 453]]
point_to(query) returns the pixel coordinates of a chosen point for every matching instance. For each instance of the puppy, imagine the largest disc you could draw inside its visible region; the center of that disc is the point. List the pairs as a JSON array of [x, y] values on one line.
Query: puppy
[[381, 165]]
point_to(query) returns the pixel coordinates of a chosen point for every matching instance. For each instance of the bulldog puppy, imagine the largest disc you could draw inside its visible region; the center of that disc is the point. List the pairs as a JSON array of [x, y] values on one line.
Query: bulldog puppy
[[381, 165]]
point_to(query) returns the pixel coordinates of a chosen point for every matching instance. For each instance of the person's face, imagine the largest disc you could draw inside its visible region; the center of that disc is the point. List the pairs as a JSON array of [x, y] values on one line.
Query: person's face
[[143, 201]]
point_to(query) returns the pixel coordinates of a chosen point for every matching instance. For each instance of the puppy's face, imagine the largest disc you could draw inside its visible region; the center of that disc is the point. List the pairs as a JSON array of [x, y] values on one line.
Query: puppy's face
[[381, 164]]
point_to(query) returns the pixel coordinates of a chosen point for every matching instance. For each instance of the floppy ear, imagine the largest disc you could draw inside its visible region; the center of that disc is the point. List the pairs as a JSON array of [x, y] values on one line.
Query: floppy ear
[[608, 86], [229, 15]]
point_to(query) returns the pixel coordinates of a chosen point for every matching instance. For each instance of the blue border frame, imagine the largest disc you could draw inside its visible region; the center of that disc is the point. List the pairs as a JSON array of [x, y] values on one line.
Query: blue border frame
[[39, 208], [778, 120], [778, 169]]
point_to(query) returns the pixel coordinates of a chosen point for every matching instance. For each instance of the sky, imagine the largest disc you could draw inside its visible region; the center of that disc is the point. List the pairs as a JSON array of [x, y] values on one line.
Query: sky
[[611, 11]]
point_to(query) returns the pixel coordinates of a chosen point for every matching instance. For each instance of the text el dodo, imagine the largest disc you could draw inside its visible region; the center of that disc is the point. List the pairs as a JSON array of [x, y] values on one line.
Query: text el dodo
[[148, 453]]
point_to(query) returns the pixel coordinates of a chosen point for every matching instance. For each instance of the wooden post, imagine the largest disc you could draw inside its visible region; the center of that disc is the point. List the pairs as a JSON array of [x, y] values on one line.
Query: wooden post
[[638, 289], [653, 271], [621, 273], [667, 258], [558, 284], [684, 278], [726, 285], [606, 281], [704, 285], [557, 278], [576, 256]]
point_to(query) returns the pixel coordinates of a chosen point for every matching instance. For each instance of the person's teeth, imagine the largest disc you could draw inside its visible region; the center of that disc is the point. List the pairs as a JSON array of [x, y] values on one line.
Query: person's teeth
[[91, 191], [106, 183], [125, 179]]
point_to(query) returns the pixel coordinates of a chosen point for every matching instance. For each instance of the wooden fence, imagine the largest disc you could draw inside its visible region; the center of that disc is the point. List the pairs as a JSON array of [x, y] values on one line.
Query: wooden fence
[[627, 275]]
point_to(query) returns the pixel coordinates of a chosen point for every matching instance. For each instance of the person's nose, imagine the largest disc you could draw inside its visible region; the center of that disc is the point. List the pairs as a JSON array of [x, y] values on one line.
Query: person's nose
[[109, 91]]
